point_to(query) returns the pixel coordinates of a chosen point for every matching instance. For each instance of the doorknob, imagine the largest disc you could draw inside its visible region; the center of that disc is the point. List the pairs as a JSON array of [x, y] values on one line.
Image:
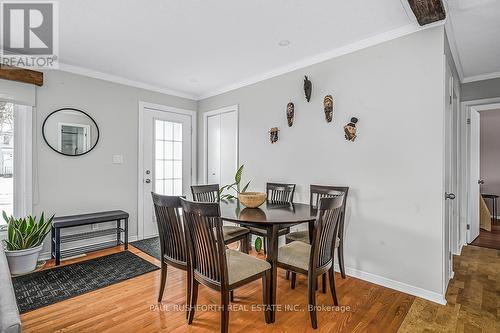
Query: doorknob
[[480, 181], [148, 181], [449, 196]]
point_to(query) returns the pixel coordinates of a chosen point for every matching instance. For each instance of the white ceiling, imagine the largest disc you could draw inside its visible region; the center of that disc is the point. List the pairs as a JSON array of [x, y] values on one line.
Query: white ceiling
[[475, 28], [197, 48]]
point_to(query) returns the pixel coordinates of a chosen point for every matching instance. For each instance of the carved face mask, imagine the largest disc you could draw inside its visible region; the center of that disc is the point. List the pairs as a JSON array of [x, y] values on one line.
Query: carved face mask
[[328, 107], [290, 112]]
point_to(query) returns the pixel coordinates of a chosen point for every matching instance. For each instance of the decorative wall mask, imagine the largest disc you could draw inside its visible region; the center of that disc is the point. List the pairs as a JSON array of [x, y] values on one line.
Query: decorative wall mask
[[307, 88], [274, 134], [328, 106], [350, 130], [290, 111]]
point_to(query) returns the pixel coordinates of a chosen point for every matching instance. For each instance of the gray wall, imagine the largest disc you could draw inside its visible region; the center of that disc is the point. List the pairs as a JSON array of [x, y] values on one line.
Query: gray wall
[[490, 153], [481, 89], [395, 168], [89, 183]]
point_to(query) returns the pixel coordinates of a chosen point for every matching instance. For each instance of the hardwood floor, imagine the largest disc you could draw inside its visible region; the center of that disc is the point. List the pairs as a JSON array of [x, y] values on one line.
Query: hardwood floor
[[473, 297], [490, 239], [131, 306]]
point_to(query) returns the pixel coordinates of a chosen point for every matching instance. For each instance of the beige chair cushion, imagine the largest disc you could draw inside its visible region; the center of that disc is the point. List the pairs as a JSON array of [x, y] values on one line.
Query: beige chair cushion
[[231, 231], [241, 266], [303, 236], [295, 254]]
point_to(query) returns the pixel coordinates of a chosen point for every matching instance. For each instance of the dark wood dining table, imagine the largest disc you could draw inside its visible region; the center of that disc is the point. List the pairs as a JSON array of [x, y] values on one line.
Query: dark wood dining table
[[272, 218]]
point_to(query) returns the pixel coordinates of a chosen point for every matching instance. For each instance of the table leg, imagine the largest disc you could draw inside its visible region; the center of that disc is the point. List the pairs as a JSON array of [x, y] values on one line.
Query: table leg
[[57, 245], [272, 258]]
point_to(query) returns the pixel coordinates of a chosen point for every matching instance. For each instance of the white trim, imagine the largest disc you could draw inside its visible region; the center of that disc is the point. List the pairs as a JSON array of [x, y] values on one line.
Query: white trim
[[450, 33], [140, 192], [121, 80], [340, 51], [23, 160], [481, 77], [396, 285], [226, 109], [481, 104]]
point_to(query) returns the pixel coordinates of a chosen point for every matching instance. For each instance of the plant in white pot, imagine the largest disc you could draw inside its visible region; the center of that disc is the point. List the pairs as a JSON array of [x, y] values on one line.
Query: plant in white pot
[[24, 241]]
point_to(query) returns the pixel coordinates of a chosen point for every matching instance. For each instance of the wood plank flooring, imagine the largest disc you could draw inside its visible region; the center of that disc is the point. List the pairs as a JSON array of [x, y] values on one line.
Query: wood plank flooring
[[490, 239], [131, 306], [473, 298]]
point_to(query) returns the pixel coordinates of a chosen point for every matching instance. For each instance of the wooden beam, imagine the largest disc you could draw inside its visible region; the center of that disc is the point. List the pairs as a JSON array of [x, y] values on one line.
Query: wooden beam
[[21, 75], [427, 11]]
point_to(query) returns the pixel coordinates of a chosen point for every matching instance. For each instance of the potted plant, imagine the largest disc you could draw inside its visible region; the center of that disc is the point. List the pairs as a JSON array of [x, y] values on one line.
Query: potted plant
[[248, 199], [24, 241]]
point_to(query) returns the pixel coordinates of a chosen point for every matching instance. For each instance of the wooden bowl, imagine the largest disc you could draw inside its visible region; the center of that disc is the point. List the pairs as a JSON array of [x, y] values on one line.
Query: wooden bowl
[[252, 199]]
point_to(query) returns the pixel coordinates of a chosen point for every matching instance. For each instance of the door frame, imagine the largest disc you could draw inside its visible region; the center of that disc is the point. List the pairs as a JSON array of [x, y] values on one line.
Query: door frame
[[466, 108], [226, 109], [140, 151]]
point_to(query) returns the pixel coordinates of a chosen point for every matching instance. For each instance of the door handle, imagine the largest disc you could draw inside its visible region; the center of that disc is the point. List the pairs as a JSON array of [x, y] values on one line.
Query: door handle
[[147, 181], [480, 181], [449, 196]]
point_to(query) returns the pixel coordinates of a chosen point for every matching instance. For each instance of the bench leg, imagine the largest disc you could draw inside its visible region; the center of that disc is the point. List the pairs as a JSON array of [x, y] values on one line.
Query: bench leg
[[126, 233], [118, 232], [57, 245], [52, 243]]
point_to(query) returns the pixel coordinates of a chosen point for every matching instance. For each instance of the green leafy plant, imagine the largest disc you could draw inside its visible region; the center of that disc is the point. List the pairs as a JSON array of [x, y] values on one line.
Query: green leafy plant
[[26, 233], [234, 186]]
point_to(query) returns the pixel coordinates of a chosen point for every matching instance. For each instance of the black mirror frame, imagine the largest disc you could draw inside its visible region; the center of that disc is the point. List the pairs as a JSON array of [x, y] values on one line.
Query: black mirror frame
[[73, 109]]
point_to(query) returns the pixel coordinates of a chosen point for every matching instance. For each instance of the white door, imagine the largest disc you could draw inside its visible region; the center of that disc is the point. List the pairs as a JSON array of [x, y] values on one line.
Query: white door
[[166, 160], [474, 190], [449, 190], [221, 147]]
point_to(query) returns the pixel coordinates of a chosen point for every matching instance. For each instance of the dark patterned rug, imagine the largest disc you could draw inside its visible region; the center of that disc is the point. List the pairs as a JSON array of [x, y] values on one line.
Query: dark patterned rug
[[150, 246], [50, 286]]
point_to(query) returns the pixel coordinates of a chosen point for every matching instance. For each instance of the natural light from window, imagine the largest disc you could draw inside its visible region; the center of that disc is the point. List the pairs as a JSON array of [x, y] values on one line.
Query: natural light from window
[[6, 158]]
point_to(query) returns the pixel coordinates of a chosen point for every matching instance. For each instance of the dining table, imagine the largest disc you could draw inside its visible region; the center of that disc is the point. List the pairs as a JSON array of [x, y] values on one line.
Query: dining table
[[271, 217]]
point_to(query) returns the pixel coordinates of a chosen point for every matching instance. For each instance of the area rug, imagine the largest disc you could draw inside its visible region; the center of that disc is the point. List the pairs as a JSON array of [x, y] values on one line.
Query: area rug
[[50, 286], [150, 246]]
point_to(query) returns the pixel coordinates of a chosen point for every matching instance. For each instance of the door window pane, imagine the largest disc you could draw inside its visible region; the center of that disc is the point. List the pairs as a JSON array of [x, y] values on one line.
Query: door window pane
[[168, 157], [6, 158]]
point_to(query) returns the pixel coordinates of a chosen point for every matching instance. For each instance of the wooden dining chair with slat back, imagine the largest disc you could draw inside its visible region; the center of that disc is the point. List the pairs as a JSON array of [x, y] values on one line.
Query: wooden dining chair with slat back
[[232, 233], [213, 265], [315, 259], [172, 238], [277, 194], [316, 193]]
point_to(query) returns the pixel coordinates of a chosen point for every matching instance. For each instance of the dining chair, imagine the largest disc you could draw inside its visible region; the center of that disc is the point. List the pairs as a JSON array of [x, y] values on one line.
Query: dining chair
[[213, 265], [316, 193], [172, 239], [232, 233], [316, 258], [277, 194]]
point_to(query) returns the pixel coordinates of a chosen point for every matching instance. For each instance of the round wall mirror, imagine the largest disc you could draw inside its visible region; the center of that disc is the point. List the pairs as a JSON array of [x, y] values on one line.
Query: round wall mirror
[[70, 132]]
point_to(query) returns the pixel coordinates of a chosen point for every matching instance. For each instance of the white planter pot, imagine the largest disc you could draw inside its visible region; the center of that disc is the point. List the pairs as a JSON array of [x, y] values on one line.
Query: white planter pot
[[23, 261]]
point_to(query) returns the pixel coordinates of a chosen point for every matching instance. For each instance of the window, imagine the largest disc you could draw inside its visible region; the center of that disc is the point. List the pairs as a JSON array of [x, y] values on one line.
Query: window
[[6, 159], [168, 158]]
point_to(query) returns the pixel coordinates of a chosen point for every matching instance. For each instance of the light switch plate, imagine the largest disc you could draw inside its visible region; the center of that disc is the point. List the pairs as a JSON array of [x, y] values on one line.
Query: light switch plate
[[117, 159]]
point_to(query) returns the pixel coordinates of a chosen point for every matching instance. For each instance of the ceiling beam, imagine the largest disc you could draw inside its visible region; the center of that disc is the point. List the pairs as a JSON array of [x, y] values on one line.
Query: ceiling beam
[[427, 11], [21, 75]]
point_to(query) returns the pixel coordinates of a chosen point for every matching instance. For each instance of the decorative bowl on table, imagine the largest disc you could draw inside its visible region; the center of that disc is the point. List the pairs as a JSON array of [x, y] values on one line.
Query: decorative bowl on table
[[252, 199]]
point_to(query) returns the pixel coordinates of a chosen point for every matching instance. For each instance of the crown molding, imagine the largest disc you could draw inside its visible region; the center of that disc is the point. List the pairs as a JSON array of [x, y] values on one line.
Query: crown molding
[[124, 81], [488, 76], [337, 52]]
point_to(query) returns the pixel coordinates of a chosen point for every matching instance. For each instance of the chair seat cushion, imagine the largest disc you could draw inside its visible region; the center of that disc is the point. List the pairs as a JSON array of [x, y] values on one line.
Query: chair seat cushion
[[303, 236], [231, 231], [241, 266], [295, 254]]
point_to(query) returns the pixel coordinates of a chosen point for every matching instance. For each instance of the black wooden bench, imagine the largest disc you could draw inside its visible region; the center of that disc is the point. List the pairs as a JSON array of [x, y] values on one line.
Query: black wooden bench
[[63, 222]]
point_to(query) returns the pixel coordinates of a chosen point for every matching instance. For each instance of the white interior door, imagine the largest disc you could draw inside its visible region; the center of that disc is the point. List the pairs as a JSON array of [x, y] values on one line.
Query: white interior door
[[221, 149], [474, 190], [166, 160]]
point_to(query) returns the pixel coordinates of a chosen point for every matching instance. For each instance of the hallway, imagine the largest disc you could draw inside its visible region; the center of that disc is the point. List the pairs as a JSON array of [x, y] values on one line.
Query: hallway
[[472, 297]]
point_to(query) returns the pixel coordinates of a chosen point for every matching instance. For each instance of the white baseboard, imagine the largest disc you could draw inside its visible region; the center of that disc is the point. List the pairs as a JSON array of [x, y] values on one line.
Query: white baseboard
[[396, 285], [47, 256]]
